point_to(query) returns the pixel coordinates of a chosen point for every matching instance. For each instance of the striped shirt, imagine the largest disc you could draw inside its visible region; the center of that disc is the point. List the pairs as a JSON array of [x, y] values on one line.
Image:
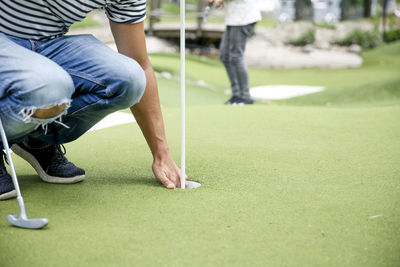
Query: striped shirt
[[46, 19]]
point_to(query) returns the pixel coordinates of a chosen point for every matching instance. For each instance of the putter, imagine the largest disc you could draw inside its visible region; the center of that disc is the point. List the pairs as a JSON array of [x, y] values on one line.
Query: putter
[[191, 184], [206, 12], [22, 221]]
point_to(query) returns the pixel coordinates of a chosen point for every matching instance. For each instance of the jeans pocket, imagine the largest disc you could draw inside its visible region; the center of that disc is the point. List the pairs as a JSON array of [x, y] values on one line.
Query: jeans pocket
[[248, 30]]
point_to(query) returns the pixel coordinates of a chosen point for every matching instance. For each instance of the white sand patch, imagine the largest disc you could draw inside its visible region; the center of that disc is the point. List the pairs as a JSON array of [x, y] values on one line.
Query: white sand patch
[[113, 119], [154, 45], [275, 92]]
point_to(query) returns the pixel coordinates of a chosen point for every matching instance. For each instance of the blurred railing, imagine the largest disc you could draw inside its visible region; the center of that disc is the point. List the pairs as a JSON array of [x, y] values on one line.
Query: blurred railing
[[158, 27]]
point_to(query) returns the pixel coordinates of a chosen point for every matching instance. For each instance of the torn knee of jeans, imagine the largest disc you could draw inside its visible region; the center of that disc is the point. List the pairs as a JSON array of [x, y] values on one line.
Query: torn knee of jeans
[[28, 112], [45, 125]]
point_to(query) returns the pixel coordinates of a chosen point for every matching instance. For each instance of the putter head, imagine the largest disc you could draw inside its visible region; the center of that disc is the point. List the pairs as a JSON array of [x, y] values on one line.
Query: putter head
[[36, 223], [193, 185]]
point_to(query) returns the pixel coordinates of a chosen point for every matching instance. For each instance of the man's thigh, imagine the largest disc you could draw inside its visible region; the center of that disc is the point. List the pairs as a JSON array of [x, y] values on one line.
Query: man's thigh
[[24, 72], [238, 36], [28, 81], [224, 45], [95, 68], [89, 61]]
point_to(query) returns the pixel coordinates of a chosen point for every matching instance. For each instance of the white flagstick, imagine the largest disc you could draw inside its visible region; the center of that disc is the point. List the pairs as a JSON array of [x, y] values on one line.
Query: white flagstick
[[191, 184], [183, 91]]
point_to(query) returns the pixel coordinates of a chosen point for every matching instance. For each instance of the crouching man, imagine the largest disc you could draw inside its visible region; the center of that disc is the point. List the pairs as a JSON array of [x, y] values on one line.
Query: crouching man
[[54, 88]]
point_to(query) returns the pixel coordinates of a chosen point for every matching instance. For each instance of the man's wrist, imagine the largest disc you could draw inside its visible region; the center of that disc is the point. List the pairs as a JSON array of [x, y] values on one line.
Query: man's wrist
[[161, 152]]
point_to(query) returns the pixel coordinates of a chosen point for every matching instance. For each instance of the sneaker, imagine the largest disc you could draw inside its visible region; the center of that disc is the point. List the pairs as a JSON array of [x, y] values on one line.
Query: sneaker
[[233, 100], [246, 101], [50, 164], [7, 189]]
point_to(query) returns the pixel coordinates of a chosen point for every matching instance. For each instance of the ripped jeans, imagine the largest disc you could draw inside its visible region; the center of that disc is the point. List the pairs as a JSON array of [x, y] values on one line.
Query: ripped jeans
[[79, 71]]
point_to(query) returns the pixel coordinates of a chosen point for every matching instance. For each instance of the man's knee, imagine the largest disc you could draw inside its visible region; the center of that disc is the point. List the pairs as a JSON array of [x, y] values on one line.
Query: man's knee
[[44, 90], [129, 85], [50, 112]]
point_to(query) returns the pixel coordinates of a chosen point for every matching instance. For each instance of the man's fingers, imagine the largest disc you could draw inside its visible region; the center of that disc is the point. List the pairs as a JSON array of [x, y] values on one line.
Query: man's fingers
[[217, 3], [178, 182], [168, 174], [186, 182], [176, 178], [166, 182]]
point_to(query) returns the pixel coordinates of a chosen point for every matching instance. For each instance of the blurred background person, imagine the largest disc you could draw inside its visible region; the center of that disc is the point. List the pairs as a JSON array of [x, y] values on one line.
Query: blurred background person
[[240, 18]]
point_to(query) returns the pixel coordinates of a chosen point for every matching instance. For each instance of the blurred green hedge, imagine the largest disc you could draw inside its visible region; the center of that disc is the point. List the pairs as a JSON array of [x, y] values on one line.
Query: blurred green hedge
[[306, 38], [365, 39], [392, 36]]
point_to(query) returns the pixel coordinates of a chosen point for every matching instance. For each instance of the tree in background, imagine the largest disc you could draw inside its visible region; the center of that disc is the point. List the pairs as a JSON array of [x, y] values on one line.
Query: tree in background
[[303, 9], [367, 8]]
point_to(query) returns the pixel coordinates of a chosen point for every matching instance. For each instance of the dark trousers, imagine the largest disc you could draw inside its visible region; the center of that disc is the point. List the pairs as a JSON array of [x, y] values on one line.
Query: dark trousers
[[232, 49]]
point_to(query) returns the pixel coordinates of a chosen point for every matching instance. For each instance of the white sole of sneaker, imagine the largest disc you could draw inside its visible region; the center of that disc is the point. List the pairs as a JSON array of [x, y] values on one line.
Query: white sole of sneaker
[[42, 174], [8, 195]]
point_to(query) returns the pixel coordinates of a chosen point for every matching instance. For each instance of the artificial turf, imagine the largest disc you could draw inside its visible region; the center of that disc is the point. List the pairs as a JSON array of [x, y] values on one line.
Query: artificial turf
[[282, 185]]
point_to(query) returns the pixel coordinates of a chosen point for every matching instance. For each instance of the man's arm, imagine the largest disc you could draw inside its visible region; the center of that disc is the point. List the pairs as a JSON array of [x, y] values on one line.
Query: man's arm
[[130, 41]]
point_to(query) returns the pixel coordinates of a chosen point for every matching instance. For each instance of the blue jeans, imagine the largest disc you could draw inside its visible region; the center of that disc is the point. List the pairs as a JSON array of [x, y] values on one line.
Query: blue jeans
[[232, 48], [80, 71]]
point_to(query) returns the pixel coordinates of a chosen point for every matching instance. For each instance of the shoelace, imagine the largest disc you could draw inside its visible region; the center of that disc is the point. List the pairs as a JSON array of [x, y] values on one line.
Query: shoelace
[[2, 166], [59, 154]]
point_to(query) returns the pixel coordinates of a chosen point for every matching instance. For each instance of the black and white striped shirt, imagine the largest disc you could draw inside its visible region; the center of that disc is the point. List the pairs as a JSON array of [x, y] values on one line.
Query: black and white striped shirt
[[42, 19]]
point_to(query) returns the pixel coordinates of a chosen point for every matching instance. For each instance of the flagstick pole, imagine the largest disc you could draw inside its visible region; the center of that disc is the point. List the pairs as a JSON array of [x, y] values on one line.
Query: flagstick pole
[[183, 92]]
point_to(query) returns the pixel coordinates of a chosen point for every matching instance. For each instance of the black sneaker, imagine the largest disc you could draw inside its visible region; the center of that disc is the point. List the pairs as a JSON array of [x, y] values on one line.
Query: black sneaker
[[7, 189], [233, 100], [50, 164], [246, 101]]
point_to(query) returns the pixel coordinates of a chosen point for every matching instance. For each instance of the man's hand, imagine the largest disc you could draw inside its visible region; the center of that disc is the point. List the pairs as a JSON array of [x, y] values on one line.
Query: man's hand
[[216, 3], [130, 41], [167, 172]]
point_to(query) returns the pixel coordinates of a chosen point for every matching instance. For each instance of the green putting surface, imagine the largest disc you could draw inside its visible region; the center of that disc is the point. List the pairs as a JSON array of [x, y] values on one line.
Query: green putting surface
[[289, 184], [281, 186]]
